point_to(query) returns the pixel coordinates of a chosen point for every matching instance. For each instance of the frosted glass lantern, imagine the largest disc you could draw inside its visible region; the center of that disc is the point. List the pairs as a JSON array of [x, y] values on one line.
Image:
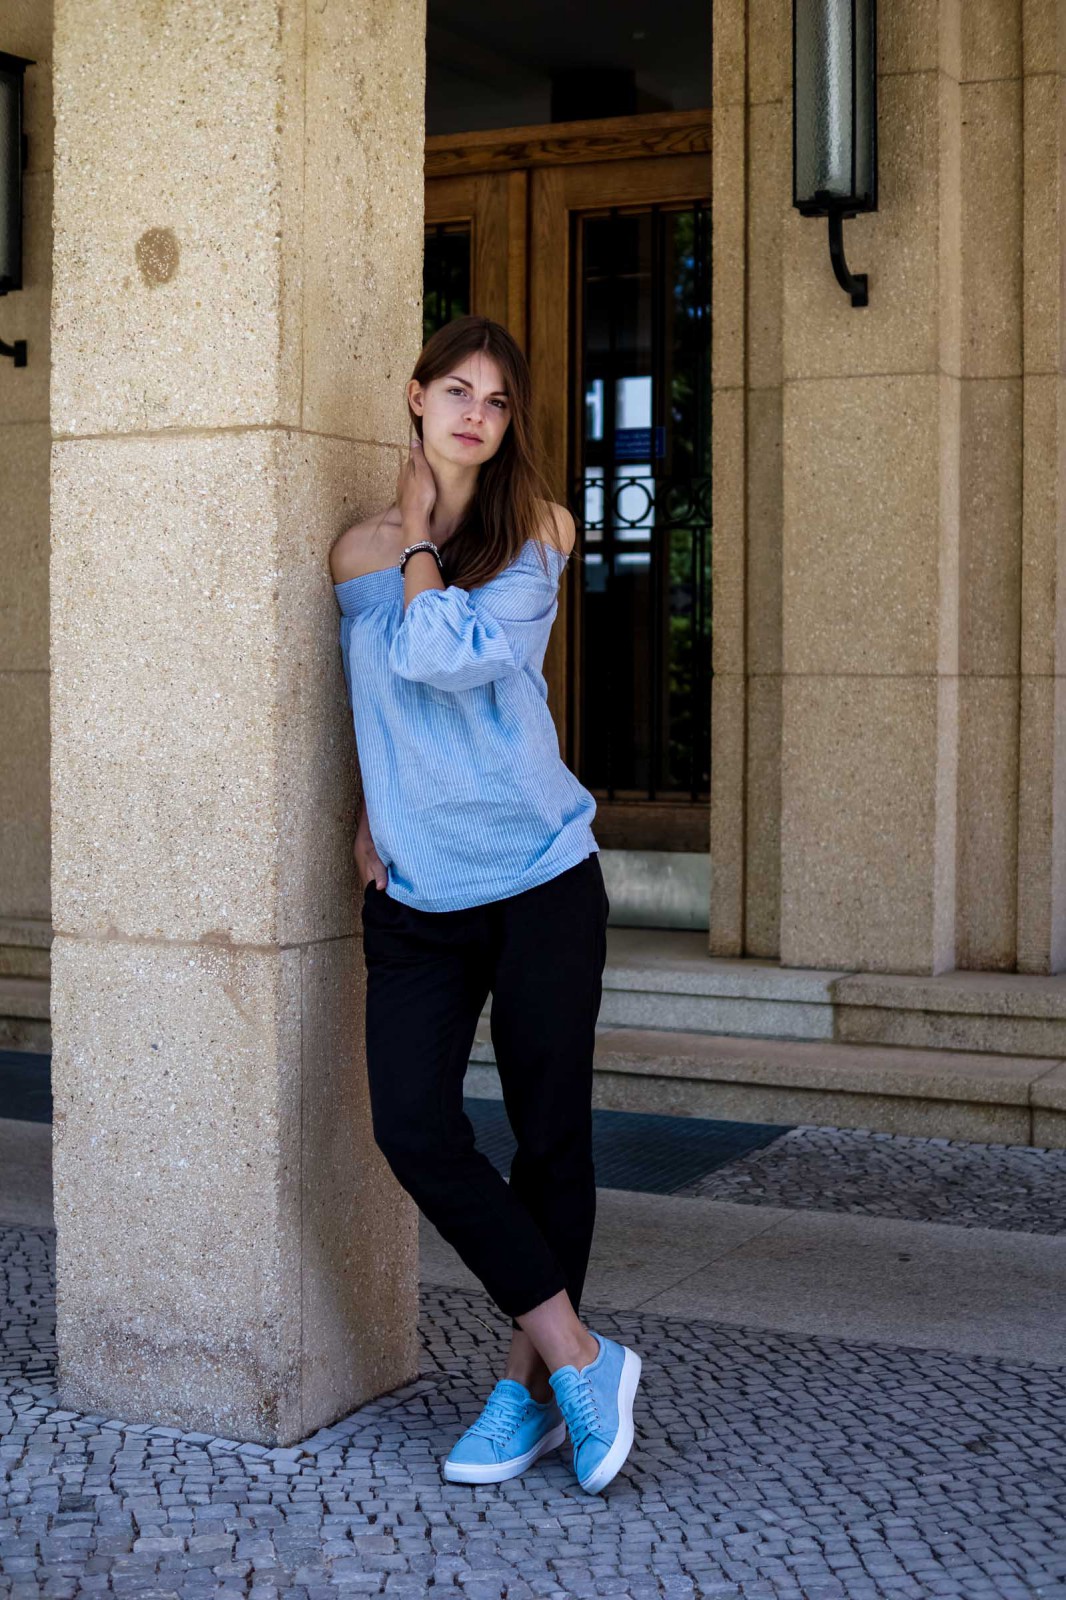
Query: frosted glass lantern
[[834, 119]]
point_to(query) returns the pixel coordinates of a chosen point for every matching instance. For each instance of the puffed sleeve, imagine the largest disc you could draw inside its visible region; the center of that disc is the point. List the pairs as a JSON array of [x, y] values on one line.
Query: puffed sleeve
[[455, 639]]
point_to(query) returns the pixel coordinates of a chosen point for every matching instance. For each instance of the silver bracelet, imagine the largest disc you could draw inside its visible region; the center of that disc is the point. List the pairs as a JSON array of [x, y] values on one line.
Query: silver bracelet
[[423, 544]]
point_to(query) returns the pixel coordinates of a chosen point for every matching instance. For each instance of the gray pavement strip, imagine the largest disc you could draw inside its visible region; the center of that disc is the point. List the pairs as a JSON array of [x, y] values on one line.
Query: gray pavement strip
[[1013, 1188]]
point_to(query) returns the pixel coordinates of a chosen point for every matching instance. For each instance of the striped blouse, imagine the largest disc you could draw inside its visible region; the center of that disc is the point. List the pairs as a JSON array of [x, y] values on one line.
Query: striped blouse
[[468, 798]]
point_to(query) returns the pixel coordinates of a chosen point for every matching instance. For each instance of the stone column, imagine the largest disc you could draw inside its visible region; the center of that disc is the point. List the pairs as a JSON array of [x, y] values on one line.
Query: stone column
[[1039, 172], [238, 249], [870, 538], [25, 911], [751, 113]]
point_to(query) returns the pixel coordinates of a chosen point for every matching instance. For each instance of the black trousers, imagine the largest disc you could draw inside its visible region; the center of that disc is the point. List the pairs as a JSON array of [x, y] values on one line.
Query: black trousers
[[541, 955]]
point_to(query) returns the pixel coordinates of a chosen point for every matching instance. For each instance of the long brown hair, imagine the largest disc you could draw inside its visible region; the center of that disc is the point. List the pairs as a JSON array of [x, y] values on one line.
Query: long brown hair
[[505, 510]]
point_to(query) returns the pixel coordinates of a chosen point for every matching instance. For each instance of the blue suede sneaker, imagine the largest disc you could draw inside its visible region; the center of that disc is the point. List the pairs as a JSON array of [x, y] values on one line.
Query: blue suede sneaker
[[511, 1432], [597, 1402]]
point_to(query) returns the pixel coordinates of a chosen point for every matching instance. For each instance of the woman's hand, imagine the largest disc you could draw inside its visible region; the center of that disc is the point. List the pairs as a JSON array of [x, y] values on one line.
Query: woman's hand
[[368, 864], [416, 488]]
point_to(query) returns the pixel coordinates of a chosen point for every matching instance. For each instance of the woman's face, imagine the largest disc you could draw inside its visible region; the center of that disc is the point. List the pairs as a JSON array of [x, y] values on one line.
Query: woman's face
[[465, 412]]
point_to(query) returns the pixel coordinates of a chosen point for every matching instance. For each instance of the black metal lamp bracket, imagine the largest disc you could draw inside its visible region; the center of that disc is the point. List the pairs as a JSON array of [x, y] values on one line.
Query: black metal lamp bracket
[[854, 284]]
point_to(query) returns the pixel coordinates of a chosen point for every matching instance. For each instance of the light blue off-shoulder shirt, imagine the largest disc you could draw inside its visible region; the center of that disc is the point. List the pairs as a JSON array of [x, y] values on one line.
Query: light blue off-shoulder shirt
[[467, 795]]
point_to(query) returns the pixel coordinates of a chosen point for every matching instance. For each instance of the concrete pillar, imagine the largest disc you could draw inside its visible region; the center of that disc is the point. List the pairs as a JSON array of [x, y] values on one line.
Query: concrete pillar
[[25, 439], [870, 547], [1041, 764], [238, 248]]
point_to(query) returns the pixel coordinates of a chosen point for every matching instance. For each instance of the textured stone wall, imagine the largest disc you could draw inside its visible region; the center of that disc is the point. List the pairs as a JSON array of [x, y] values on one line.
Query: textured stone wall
[[888, 779], [238, 249]]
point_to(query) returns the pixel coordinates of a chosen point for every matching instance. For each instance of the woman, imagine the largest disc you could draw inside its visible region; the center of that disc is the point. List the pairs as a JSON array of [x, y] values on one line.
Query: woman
[[481, 875]]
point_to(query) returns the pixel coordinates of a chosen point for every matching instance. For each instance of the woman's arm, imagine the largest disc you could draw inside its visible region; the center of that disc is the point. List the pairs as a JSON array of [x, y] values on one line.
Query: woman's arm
[[452, 639]]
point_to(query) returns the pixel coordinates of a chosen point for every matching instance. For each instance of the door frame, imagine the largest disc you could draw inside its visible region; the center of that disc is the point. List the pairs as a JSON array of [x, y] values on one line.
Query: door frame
[[521, 183], [486, 175]]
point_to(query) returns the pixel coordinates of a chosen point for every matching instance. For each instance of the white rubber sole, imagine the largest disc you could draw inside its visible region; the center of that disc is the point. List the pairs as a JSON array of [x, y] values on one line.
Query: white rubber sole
[[473, 1472], [600, 1476]]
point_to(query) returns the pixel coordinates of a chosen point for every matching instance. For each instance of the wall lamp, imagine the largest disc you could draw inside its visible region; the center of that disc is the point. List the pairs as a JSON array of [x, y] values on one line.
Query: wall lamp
[[834, 119], [14, 147]]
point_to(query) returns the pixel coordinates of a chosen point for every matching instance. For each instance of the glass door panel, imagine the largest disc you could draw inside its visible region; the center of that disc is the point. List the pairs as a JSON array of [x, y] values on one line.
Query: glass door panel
[[641, 371], [446, 275]]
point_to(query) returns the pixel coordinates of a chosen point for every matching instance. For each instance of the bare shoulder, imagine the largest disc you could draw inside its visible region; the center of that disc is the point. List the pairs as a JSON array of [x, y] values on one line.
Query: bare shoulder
[[557, 527], [366, 546]]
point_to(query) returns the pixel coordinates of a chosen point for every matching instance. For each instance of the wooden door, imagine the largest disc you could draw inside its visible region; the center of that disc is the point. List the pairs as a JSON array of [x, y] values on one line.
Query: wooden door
[[517, 221]]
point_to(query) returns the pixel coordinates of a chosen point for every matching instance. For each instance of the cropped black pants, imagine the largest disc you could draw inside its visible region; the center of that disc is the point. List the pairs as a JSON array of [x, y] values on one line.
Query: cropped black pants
[[541, 955]]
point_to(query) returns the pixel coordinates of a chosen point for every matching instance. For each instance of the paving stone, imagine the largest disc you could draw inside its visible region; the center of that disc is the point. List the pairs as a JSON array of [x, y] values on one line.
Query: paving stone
[[863, 1171], [766, 1467]]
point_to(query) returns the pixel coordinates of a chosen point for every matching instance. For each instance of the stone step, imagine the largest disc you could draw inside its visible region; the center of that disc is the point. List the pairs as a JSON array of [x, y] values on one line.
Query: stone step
[[964, 1055], [25, 946], [946, 1094], [24, 1014], [1010, 1013], [660, 978]]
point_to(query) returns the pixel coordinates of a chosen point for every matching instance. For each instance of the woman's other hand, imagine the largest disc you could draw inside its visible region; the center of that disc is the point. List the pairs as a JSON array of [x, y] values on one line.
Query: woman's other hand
[[416, 488], [368, 864]]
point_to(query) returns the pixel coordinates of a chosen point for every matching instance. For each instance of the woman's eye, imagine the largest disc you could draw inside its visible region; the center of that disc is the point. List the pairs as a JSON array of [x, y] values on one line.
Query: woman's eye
[[501, 403]]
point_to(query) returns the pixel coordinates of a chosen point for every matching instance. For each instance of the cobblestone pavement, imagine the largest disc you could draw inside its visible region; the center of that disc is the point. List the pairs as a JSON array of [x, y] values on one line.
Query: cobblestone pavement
[[1015, 1188], [765, 1467]]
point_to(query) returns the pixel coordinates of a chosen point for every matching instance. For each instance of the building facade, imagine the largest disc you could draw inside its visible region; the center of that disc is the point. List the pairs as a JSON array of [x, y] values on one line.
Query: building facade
[[236, 225]]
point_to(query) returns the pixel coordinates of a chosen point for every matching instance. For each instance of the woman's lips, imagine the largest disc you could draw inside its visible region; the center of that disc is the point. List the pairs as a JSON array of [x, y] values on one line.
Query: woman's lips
[[468, 438]]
